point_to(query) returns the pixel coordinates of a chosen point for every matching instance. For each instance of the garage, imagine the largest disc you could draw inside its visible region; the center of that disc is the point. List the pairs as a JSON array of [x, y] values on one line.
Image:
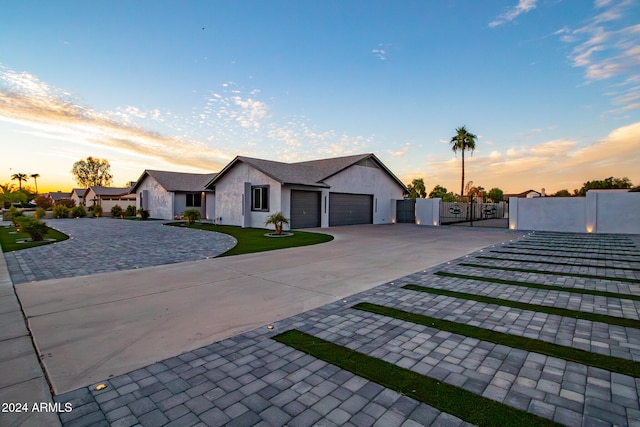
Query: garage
[[349, 209], [305, 209]]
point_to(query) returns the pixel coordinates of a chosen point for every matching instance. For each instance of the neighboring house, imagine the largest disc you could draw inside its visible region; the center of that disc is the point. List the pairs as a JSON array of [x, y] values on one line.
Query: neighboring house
[[524, 195], [108, 197], [56, 196], [77, 195], [356, 189], [168, 194]]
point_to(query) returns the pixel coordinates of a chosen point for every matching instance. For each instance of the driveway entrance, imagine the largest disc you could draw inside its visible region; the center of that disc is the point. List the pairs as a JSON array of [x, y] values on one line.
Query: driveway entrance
[[92, 327]]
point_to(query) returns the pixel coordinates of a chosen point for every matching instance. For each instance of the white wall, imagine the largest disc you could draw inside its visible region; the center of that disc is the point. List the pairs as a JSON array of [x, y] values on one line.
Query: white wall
[[210, 208], [428, 212], [229, 194], [601, 211], [159, 201], [365, 180]]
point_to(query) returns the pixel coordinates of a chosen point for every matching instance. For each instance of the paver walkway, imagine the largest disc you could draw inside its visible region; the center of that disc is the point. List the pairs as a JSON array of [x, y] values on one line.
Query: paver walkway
[[250, 379], [100, 245]]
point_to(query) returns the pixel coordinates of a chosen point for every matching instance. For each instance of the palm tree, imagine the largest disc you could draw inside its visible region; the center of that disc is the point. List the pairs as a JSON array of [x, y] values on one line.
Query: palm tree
[[19, 177], [35, 177], [463, 140]]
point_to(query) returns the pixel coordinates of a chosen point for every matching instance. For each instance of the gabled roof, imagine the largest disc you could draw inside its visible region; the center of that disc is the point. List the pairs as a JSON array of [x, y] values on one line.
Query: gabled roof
[[59, 195], [79, 191], [309, 173], [521, 195], [108, 191], [177, 181]]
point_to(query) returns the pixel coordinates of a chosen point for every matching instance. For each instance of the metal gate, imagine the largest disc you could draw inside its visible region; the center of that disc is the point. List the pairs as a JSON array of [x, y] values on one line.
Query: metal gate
[[406, 211]]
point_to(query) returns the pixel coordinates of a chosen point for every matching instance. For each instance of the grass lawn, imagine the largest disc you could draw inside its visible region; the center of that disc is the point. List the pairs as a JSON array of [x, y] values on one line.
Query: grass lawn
[[8, 241], [252, 240]]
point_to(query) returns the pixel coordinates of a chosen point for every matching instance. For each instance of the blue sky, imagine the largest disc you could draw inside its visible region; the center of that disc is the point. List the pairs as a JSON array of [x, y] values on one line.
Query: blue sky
[[551, 87]]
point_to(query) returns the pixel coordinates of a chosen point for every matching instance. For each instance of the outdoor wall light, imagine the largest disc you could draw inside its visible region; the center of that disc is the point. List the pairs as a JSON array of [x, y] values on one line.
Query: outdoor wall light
[[589, 229], [418, 222], [513, 227], [435, 222]]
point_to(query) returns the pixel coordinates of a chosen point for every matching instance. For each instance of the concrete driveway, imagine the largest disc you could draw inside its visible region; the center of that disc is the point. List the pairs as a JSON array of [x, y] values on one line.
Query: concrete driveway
[[93, 327]]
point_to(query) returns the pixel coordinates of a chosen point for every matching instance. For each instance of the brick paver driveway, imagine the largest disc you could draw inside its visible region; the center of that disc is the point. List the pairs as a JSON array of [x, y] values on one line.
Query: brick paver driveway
[[100, 245]]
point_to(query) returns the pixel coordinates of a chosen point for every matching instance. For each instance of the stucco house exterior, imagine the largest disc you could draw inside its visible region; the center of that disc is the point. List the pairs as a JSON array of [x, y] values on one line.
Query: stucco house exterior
[[168, 194], [357, 189], [108, 197], [77, 195]]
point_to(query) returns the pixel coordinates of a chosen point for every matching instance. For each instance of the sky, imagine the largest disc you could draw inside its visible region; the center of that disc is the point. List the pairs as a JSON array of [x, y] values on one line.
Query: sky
[[551, 88]]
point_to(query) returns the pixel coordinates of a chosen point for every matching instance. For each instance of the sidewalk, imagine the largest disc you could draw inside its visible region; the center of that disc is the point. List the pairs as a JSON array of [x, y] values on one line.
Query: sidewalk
[[22, 380]]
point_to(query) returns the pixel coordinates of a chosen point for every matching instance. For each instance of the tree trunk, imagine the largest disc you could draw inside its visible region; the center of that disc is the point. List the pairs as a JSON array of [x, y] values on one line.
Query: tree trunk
[[462, 185]]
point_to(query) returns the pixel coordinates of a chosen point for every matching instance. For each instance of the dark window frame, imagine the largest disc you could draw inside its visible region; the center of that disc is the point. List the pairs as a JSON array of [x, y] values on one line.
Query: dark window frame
[[195, 202], [263, 199]]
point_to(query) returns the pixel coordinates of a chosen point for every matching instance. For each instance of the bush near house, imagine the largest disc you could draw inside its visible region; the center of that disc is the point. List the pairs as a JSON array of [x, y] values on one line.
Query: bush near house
[[144, 213], [66, 202], [97, 211], [116, 211], [131, 211], [60, 211], [78, 212], [191, 215], [39, 213], [43, 202], [11, 214]]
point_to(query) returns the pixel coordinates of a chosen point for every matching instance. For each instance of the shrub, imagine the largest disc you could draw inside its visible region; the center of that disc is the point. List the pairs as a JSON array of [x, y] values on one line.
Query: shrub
[[20, 222], [60, 211], [78, 212], [192, 215], [277, 219], [39, 213], [12, 214], [43, 202], [97, 211], [116, 211], [34, 228], [131, 211], [144, 213]]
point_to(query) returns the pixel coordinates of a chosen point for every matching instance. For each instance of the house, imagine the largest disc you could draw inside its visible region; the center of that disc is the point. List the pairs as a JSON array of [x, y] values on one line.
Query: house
[[168, 194], [525, 195], [77, 195], [356, 189], [56, 196], [108, 197]]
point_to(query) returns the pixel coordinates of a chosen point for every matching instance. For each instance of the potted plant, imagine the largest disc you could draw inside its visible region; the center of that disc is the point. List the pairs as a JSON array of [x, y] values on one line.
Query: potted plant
[[278, 220]]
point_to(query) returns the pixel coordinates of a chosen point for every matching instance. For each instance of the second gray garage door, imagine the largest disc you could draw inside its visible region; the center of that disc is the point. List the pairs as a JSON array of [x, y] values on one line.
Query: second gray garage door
[[305, 209], [348, 209]]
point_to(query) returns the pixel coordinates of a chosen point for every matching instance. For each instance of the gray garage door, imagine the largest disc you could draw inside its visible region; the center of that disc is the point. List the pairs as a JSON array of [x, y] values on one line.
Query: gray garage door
[[305, 209], [348, 209]]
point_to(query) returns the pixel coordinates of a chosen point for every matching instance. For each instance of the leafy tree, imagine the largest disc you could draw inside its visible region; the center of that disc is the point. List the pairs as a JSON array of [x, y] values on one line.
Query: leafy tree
[[462, 141], [562, 193], [607, 183], [92, 172], [496, 194], [442, 193], [278, 220], [19, 177], [43, 202], [417, 189], [35, 177]]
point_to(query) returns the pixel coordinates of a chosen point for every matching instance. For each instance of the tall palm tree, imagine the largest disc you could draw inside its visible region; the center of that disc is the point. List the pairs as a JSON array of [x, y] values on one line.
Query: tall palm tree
[[35, 177], [462, 141], [19, 177]]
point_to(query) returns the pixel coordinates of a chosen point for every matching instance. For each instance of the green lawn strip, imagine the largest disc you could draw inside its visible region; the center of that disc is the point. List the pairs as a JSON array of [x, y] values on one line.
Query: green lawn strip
[[553, 273], [566, 256], [610, 363], [539, 286], [252, 240], [594, 317], [537, 248], [616, 248], [8, 241], [442, 396], [556, 263]]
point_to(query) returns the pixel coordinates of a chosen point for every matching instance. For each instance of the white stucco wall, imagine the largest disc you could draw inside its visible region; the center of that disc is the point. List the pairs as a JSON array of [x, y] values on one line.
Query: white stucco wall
[[229, 192], [428, 212], [210, 208], [159, 201], [601, 211], [366, 180]]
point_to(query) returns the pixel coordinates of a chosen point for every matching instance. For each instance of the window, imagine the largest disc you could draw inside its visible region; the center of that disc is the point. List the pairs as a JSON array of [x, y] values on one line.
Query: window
[[260, 198], [194, 200]]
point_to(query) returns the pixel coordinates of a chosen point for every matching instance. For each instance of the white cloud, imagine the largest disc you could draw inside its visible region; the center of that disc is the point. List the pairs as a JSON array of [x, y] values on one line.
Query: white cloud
[[523, 6]]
